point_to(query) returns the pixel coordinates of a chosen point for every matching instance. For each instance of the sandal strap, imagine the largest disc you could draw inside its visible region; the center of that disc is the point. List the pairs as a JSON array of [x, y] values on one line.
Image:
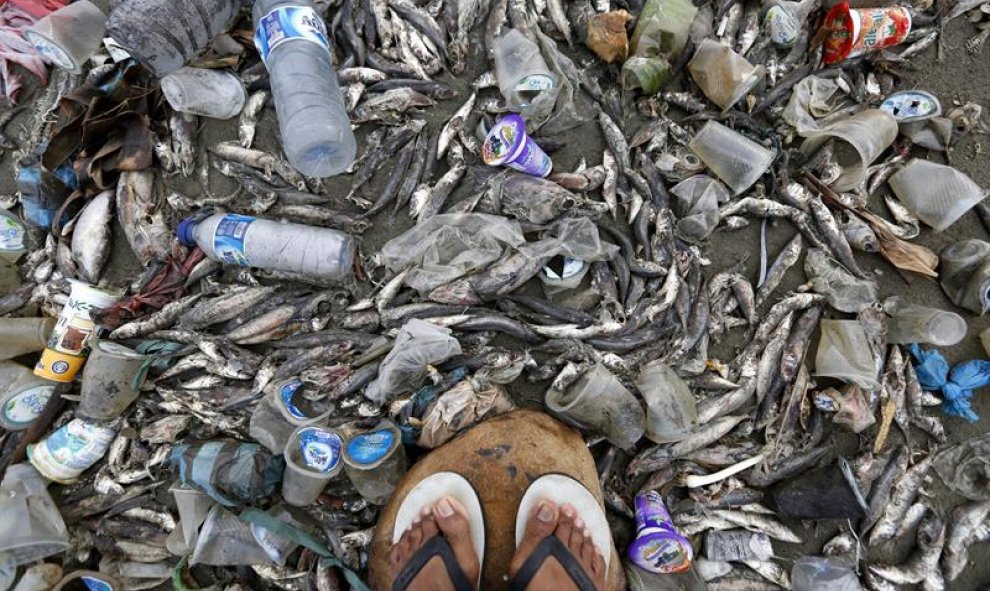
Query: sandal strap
[[435, 546], [551, 546]]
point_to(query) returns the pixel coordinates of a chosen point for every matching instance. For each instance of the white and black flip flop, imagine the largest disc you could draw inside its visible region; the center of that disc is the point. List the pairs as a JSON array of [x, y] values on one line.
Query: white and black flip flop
[[561, 489], [430, 490]]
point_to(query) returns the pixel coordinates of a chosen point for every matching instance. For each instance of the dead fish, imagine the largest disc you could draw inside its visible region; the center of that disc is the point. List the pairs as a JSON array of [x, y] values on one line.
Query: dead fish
[[183, 127], [922, 567], [247, 123], [678, 164], [905, 491], [225, 307], [882, 487], [859, 234], [788, 256], [142, 217], [970, 524], [91, 236]]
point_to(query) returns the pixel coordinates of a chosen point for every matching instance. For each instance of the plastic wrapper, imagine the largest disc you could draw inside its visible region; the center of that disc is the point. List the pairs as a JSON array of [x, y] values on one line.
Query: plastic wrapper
[[230, 472], [844, 353], [811, 573], [937, 194], [965, 468], [811, 99], [965, 274], [226, 540], [418, 345], [696, 206], [860, 139], [463, 406], [845, 292], [850, 406], [671, 411], [735, 159], [957, 385], [932, 134], [598, 401], [448, 246], [911, 323], [31, 527], [722, 74]]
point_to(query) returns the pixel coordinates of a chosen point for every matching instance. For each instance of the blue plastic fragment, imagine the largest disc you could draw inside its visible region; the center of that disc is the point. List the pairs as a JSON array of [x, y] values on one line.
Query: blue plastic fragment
[[956, 385]]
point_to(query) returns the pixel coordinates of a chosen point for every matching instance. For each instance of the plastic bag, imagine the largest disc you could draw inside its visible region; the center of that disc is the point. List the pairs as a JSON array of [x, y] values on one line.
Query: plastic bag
[[812, 98], [230, 472], [812, 573], [417, 345], [844, 353], [957, 385], [965, 468], [463, 406], [845, 292], [696, 206], [448, 246]]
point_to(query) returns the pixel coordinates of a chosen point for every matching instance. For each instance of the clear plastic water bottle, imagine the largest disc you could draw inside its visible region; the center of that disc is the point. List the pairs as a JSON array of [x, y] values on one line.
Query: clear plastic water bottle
[[251, 242], [293, 42]]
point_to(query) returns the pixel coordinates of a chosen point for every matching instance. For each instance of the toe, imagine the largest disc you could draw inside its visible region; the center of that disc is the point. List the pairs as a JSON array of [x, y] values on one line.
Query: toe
[[452, 519], [416, 534], [541, 523], [565, 523], [429, 527], [588, 550], [577, 539], [598, 565]]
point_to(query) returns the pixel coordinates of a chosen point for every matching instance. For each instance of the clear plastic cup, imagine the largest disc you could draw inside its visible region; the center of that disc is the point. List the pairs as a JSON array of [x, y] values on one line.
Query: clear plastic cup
[[111, 380], [722, 74], [671, 410], [859, 140], [375, 461], [938, 194], [528, 85], [275, 546], [193, 506], [597, 400], [31, 527], [911, 323], [70, 35], [217, 94], [312, 458], [281, 411], [844, 353], [226, 540], [24, 335], [735, 159]]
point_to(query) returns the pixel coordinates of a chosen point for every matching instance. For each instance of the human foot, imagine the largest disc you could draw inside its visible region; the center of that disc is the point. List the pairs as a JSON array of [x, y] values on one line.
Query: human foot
[[562, 522], [446, 518]]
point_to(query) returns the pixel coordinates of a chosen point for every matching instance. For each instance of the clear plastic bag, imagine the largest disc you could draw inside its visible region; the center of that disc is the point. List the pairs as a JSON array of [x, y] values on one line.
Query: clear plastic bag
[[722, 74], [448, 246], [844, 353], [696, 206], [845, 292], [812, 573], [812, 98], [965, 468], [463, 406], [417, 345]]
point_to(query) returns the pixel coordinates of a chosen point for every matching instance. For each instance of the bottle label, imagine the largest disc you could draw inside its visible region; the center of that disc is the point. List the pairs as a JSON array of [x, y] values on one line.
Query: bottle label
[[228, 240], [368, 448], [79, 444], [11, 234], [288, 23], [25, 406]]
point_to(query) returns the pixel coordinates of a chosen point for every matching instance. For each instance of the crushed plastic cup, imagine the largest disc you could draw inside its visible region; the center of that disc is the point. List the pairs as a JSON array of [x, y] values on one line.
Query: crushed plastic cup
[[811, 573], [226, 540], [722, 74], [71, 450], [859, 140], [31, 527], [11, 237], [23, 335], [38, 577], [275, 546], [844, 353], [852, 32], [696, 206], [217, 94], [193, 506], [671, 410], [912, 323], [528, 85], [938, 194], [375, 460], [111, 380], [509, 145], [70, 35], [824, 493], [784, 20], [735, 159], [312, 458], [965, 274], [598, 401], [909, 106]]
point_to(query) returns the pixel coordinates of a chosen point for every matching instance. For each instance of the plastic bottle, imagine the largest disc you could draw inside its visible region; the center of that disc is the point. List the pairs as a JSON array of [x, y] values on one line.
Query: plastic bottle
[[164, 34], [24, 335], [316, 131], [251, 242], [23, 395], [911, 323]]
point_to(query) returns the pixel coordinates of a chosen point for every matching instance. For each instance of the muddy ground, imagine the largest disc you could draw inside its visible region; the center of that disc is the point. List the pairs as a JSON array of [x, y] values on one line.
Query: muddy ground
[[958, 77]]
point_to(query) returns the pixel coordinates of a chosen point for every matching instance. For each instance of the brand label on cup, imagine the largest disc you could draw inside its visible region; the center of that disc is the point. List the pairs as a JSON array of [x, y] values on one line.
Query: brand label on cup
[[11, 234], [23, 407], [784, 30], [500, 144], [289, 23], [368, 448], [228, 239], [320, 449], [76, 446]]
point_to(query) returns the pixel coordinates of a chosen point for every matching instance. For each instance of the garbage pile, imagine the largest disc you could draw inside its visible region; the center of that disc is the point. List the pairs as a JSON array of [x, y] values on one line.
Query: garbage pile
[[208, 388]]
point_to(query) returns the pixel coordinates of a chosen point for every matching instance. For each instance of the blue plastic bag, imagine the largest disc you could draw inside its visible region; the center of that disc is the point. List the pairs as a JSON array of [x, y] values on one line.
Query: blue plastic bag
[[956, 385]]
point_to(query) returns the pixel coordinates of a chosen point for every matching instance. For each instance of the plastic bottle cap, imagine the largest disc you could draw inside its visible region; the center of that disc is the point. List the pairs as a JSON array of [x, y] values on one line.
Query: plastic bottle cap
[[184, 232]]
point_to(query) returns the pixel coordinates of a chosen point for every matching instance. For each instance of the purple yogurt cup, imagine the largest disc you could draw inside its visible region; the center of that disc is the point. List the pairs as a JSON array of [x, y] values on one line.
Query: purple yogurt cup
[[658, 547], [508, 144]]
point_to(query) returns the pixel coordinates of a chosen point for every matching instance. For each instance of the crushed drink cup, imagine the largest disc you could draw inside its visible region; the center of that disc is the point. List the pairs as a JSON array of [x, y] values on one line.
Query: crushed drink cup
[[859, 140], [852, 32], [938, 194], [722, 74], [735, 159]]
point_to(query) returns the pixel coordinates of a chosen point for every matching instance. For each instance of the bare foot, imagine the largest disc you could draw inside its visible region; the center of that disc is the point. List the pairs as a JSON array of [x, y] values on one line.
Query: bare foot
[[447, 518], [547, 518]]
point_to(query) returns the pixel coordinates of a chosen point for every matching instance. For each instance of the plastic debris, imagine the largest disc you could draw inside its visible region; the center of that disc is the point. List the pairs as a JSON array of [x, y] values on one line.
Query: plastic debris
[[957, 385]]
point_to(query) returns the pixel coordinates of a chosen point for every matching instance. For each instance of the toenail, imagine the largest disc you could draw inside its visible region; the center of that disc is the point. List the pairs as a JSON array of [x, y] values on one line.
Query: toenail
[[445, 508], [569, 511], [579, 523], [545, 514]]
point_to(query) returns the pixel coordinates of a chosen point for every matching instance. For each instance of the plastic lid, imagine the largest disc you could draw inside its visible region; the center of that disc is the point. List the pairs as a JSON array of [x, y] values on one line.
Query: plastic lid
[[506, 138], [184, 232]]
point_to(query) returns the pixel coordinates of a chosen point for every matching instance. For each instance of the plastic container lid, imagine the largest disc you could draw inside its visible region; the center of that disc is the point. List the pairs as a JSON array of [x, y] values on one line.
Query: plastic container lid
[[505, 141], [366, 451], [912, 105]]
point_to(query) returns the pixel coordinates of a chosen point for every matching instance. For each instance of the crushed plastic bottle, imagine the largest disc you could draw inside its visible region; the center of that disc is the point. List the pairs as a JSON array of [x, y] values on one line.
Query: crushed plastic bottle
[[316, 131], [253, 242]]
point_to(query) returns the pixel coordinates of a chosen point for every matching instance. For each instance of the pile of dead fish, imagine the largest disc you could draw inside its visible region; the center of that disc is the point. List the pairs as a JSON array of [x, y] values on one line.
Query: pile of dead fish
[[477, 289]]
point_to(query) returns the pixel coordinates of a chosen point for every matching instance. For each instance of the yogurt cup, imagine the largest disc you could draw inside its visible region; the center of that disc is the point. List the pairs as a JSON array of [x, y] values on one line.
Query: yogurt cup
[[853, 32], [69, 343], [312, 458], [509, 145], [658, 547]]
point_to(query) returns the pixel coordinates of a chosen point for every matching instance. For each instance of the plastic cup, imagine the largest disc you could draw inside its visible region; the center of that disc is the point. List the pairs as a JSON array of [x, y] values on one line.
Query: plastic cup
[[111, 380], [24, 335], [598, 401], [722, 74], [193, 506], [11, 237], [508, 144], [735, 159], [911, 323], [658, 547], [855, 32], [24, 396], [859, 140], [275, 546], [70, 35], [280, 412], [69, 343], [912, 105], [31, 527], [671, 410], [71, 450], [938, 194], [217, 94], [226, 540], [312, 458], [844, 353], [523, 76], [375, 461]]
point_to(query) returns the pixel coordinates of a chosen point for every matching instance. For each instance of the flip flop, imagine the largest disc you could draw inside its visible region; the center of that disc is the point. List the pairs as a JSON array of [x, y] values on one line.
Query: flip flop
[[561, 489], [430, 490]]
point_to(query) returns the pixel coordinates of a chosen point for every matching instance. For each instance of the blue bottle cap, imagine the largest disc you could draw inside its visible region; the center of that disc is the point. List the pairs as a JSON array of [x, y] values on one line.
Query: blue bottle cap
[[184, 232]]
